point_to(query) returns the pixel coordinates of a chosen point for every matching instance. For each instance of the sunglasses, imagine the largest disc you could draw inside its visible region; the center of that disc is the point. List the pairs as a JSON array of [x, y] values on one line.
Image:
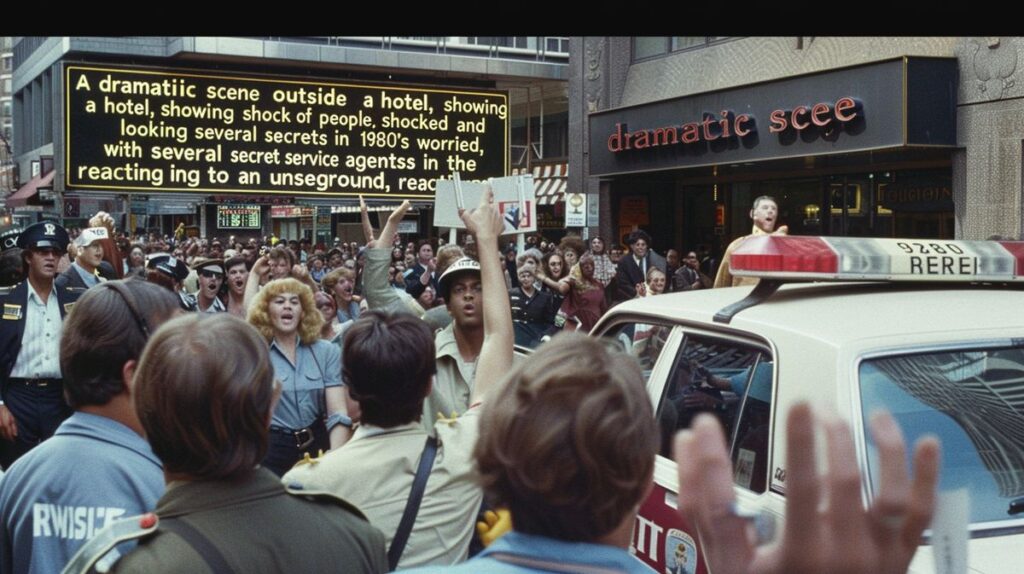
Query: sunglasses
[[210, 274]]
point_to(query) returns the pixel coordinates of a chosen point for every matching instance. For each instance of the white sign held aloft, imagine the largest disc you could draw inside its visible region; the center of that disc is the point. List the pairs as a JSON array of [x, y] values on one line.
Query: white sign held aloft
[[513, 196]]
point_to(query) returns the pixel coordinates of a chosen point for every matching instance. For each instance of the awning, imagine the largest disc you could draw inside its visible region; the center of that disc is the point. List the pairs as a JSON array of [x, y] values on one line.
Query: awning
[[549, 183], [21, 197]]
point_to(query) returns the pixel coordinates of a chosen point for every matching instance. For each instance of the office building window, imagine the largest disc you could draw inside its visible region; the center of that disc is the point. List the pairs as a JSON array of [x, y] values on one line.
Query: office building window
[[649, 46]]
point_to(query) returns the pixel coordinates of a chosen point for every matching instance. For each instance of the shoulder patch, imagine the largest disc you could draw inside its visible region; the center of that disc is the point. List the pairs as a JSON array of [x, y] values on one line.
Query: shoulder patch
[[296, 489], [99, 547]]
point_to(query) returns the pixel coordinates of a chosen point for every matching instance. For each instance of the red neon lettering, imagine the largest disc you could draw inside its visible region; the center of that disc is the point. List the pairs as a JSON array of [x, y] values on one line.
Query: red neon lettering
[[817, 113], [797, 111], [846, 104], [778, 121], [737, 125]]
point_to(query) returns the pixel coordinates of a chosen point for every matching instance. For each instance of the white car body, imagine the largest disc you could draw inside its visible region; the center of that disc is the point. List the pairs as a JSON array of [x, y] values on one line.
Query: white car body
[[818, 336]]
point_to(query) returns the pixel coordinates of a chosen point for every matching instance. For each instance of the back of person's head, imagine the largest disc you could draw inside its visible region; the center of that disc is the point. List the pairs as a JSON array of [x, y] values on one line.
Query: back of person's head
[[108, 327], [446, 255], [160, 279], [573, 242], [570, 441], [204, 392], [12, 269], [388, 362]]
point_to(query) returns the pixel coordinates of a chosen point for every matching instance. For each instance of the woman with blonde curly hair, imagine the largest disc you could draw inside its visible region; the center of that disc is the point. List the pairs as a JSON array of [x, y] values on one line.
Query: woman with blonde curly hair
[[311, 414]]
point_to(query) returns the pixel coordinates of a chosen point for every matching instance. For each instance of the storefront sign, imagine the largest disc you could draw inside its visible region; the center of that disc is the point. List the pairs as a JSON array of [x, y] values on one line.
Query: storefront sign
[[238, 217], [890, 104], [409, 226], [204, 132], [290, 211], [575, 210]]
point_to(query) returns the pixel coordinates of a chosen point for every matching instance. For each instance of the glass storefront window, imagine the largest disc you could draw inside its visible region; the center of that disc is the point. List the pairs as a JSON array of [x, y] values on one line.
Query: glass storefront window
[[648, 46]]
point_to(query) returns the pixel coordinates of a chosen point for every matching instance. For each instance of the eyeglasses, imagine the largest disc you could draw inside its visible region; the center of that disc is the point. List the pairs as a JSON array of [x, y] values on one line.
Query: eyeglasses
[[210, 274]]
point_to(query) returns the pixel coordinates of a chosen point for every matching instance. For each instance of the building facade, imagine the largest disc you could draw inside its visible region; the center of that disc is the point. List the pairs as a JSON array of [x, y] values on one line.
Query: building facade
[[261, 135], [884, 137]]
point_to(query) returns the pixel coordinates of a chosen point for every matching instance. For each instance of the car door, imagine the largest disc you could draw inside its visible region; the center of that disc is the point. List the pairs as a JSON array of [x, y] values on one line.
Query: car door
[[689, 370]]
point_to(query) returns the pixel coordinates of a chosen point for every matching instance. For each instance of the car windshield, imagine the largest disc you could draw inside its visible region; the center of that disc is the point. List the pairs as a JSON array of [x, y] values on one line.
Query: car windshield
[[973, 400]]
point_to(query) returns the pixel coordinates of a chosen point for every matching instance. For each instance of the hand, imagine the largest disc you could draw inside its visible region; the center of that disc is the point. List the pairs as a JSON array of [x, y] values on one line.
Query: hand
[[262, 266], [494, 525], [842, 538], [484, 221], [299, 272], [8, 426], [699, 401], [398, 213]]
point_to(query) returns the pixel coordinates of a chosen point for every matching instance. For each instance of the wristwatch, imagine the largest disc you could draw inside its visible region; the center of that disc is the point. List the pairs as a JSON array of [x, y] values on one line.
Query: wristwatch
[[338, 419]]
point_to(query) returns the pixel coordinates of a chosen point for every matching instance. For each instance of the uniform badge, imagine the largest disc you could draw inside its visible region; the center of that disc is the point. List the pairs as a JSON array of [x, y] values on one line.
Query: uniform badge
[[12, 312], [680, 553]]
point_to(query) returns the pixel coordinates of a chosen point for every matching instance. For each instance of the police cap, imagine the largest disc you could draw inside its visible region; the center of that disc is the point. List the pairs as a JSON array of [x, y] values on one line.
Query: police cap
[[43, 235], [168, 265], [9, 238]]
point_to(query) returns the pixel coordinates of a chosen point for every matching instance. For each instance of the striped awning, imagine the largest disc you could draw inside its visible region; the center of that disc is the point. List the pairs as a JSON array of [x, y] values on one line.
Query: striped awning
[[549, 182]]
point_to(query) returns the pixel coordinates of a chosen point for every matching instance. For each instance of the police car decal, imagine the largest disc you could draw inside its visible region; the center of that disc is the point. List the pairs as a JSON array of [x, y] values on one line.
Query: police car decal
[[680, 553]]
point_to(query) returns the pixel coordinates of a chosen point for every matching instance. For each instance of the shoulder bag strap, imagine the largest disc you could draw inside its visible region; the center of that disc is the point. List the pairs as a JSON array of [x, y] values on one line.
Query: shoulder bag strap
[[201, 544], [412, 506]]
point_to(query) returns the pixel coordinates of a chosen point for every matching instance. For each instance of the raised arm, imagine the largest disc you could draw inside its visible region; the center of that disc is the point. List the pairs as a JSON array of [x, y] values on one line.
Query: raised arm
[[252, 285], [496, 354], [379, 294]]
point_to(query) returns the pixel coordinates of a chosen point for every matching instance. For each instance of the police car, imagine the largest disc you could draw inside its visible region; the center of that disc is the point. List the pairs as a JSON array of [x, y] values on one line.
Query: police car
[[933, 331]]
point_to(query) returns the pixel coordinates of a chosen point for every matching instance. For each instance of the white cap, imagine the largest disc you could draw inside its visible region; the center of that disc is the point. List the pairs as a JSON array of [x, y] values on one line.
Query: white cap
[[90, 236]]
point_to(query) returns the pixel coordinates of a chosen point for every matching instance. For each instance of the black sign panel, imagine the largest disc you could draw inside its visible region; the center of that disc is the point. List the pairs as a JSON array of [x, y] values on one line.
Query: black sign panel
[[131, 129], [903, 102], [238, 217]]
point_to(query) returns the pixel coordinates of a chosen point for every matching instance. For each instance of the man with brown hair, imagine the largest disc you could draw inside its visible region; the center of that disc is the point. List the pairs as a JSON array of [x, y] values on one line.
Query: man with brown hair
[[389, 365], [207, 420], [97, 468]]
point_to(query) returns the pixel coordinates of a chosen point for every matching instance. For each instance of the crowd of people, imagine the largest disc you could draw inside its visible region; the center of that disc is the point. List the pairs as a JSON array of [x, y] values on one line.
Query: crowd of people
[[283, 407]]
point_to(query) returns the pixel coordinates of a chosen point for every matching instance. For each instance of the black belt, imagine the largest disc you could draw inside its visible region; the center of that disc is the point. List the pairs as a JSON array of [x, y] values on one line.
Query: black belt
[[303, 437], [36, 382]]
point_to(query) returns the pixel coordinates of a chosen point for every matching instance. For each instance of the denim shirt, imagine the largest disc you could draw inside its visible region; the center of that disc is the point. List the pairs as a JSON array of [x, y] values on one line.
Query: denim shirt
[[518, 553], [316, 367]]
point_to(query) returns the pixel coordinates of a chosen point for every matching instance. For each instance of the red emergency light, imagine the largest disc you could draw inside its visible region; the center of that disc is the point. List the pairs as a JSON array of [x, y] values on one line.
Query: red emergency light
[[877, 259]]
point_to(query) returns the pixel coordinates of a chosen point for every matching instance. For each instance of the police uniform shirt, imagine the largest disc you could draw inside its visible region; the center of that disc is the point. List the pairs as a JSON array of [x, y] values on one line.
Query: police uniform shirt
[[93, 471], [39, 357], [302, 401]]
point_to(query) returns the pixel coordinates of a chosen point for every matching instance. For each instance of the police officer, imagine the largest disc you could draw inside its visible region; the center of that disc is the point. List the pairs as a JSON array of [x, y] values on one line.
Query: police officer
[[211, 278], [170, 271], [30, 330], [11, 269]]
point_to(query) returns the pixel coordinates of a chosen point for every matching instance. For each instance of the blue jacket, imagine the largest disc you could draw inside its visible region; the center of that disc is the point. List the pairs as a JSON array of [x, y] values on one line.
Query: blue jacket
[[93, 471], [508, 555], [12, 325]]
